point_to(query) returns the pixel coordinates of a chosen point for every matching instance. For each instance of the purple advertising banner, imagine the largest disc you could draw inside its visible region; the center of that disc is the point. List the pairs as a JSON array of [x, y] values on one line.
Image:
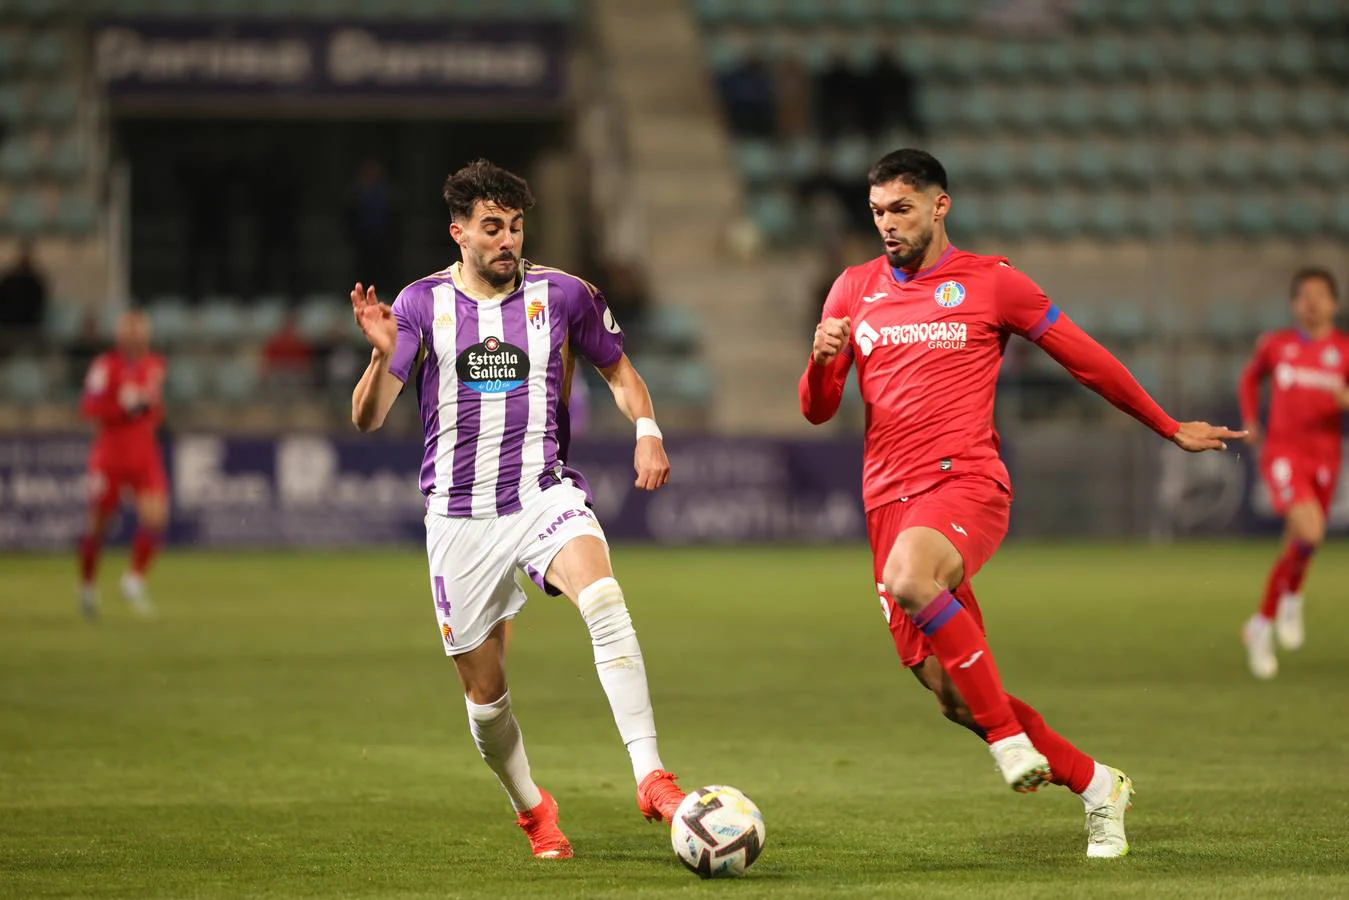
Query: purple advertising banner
[[323, 491], [200, 58]]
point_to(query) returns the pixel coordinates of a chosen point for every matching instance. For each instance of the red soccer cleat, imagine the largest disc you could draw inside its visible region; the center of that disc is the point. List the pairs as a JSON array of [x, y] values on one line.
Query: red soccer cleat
[[540, 826], [658, 796]]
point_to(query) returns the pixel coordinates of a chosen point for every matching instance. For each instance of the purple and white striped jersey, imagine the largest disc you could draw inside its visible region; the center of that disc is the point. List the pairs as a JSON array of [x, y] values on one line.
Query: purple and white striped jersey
[[492, 381]]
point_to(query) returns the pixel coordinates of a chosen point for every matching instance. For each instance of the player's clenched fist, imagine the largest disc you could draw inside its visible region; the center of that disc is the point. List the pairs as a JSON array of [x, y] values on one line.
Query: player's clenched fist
[[831, 336]]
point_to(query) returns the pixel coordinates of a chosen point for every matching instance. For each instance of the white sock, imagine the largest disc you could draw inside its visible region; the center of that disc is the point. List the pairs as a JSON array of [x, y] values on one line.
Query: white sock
[[1099, 788], [497, 735], [618, 660]]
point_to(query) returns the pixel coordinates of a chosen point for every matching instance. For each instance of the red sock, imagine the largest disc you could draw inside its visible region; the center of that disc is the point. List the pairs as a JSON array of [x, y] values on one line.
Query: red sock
[[90, 545], [959, 645], [1299, 560], [143, 548], [1069, 765], [1286, 576]]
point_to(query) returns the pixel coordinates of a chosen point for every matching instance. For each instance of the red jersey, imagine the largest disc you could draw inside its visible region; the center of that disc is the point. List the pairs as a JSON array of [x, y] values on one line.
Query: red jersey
[[1306, 378], [928, 350], [124, 396]]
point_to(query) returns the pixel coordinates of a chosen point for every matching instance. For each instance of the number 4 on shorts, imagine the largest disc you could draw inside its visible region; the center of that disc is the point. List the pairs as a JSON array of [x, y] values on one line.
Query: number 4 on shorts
[[442, 599]]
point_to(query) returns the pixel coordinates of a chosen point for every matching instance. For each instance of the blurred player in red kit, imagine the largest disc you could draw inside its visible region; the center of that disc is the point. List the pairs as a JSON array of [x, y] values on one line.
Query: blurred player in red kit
[[122, 395], [1300, 458], [926, 325]]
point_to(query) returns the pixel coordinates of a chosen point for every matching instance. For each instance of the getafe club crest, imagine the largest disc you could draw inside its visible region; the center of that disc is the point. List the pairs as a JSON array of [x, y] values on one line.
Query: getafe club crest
[[1330, 358], [949, 294]]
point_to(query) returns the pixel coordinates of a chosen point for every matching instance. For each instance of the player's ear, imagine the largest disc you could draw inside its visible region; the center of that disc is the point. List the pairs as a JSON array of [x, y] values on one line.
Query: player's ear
[[941, 206], [456, 232]]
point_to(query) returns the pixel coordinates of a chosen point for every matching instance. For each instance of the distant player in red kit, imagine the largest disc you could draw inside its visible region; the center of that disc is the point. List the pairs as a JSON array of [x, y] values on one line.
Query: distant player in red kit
[[122, 395], [926, 325], [1300, 458]]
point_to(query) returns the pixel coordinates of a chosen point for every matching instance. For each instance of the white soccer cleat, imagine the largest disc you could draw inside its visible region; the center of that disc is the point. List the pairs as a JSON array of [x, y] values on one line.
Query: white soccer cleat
[[88, 602], [133, 591], [1258, 636], [1288, 622], [1105, 823], [1023, 767]]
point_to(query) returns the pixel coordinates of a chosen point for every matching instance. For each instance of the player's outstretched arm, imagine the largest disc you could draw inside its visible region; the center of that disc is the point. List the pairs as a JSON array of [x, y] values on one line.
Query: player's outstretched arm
[[378, 388], [99, 400], [1248, 391], [821, 388], [1094, 366], [634, 401]]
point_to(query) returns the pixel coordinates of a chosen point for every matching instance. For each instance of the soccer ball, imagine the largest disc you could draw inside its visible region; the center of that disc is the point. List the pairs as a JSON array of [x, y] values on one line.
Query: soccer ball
[[717, 832]]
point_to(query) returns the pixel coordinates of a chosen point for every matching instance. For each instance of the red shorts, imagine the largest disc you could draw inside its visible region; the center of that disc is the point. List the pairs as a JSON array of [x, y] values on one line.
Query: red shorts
[[109, 479], [1295, 479], [972, 512]]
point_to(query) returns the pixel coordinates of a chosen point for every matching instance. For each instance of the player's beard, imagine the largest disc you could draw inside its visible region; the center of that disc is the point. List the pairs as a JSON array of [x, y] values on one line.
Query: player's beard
[[916, 250], [498, 277]]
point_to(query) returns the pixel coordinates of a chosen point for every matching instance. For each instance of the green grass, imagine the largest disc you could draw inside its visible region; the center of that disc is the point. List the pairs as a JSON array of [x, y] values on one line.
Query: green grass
[[290, 729]]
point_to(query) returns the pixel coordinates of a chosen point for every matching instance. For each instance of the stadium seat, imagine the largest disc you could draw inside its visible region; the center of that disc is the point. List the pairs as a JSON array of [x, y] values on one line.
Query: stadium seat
[[1321, 13], [1125, 110], [27, 214], [1271, 314], [1182, 13], [1090, 165], [17, 160], [77, 216], [57, 107], [757, 161], [671, 327], [1329, 165], [1281, 164], [1293, 57], [1062, 216], [1200, 59], [12, 104], [774, 214], [221, 320], [1313, 112], [969, 215], [66, 161], [1265, 109], [185, 381], [1225, 322], [1236, 163], [1046, 164], [1111, 217], [1012, 214], [1104, 58], [238, 378], [26, 381], [9, 53], [980, 109], [801, 158], [1339, 217], [1207, 216], [63, 321], [1300, 217], [47, 52], [1246, 58], [1075, 109], [1027, 109], [320, 315], [264, 317], [848, 157], [1136, 164], [1254, 217], [1217, 109], [170, 320], [691, 382]]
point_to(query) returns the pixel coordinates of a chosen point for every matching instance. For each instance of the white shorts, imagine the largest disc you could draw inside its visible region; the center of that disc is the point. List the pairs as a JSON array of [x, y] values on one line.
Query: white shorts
[[474, 561]]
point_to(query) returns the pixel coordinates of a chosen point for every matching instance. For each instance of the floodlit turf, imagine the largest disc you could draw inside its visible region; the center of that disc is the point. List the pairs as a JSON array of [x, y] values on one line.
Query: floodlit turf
[[290, 729]]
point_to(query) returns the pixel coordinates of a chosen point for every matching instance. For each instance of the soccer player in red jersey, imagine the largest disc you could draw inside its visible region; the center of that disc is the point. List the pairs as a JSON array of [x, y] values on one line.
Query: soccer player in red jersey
[[926, 325], [122, 395], [1300, 457]]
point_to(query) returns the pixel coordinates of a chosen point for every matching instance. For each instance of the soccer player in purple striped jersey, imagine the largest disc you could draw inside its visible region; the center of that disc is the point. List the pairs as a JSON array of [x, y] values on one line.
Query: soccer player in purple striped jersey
[[489, 341]]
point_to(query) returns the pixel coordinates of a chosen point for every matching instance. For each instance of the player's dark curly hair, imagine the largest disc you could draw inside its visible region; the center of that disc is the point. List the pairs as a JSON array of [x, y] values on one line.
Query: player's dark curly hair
[[484, 180], [916, 168], [1310, 272]]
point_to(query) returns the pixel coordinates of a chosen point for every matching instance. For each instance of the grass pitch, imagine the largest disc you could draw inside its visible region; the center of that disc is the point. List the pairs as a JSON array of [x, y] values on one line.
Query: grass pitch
[[290, 729]]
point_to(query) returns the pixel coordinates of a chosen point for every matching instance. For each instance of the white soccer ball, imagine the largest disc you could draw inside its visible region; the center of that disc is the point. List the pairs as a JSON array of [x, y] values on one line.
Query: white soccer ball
[[717, 832]]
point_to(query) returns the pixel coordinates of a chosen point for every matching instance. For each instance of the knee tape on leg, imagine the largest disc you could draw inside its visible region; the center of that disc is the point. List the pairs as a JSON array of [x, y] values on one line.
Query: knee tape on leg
[[606, 614], [486, 713]]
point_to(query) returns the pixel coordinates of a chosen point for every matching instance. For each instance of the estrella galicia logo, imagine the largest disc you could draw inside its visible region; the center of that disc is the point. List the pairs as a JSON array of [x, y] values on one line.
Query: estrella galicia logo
[[949, 294], [493, 367]]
